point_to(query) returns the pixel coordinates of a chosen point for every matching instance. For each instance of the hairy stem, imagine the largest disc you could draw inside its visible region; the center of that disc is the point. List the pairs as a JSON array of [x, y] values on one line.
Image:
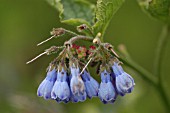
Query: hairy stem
[[79, 37]]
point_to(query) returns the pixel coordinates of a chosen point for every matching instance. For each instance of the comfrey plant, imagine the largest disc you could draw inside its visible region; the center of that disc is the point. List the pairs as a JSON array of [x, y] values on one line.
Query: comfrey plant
[[68, 77]]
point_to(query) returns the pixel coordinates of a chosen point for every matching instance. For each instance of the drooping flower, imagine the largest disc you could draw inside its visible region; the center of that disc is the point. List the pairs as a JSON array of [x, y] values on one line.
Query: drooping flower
[[78, 91], [124, 82], [61, 90], [107, 93], [45, 88], [92, 86]]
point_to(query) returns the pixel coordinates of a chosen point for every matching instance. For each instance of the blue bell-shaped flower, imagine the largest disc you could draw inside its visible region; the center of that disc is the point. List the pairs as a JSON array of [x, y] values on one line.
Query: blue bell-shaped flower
[[107, 93], [78, 91], [45, 88], [92, 86], [61, 90], [124, 82]]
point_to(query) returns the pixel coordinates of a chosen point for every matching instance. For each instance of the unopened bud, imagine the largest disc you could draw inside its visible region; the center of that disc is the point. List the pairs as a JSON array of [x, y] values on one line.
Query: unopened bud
[[96, 41], [57, 31], [81, 27]]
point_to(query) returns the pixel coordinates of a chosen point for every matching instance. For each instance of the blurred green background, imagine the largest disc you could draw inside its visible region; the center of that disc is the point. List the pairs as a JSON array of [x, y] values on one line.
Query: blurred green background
[[24, 23]]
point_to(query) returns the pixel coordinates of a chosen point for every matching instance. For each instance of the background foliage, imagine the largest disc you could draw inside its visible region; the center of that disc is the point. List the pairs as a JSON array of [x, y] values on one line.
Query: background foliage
[[24, 23]]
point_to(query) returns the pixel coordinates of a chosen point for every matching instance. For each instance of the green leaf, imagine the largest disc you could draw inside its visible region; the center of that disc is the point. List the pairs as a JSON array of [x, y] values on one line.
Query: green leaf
[[105, 9], [74, 12], [159, 9]]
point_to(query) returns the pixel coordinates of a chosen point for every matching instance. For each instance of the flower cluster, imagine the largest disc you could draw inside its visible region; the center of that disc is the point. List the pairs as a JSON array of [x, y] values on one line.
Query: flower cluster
[[68, 78], [66, 83], [64, 86]]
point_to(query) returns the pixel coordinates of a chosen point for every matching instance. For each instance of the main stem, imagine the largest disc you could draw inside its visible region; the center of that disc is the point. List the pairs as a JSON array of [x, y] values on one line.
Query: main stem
[[155, 81], [164, 97], [160, 50]]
